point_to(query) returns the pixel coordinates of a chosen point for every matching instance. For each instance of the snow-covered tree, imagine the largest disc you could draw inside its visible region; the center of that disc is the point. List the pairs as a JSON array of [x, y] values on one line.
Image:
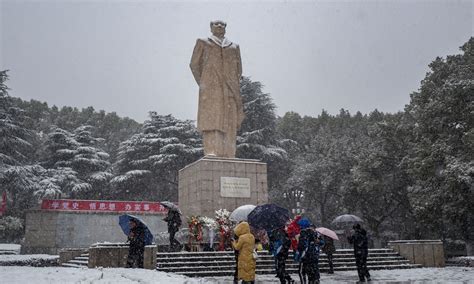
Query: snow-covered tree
[[20, 183], [257, 137], [379, 182], [76, 163], [441, 160], [148, 162], [16, 178], [15, 139]]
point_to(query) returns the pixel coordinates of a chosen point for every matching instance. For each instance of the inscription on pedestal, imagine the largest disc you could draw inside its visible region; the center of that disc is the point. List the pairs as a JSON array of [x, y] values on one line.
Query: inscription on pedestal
[[235, 187]]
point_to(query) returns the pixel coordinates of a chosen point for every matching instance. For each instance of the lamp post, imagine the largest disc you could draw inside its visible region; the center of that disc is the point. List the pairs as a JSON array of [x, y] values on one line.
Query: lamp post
[[298, 210]]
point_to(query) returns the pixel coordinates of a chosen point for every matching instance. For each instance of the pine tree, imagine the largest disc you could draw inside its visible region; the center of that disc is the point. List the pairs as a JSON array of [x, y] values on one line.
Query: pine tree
[[15, 141], [257, 137], [148, 163], [85, 168]]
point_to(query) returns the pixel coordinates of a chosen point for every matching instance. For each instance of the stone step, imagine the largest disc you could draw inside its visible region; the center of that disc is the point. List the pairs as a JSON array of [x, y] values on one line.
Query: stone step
[[79, 262], [230, 272], [68, 264], [8, 252], [220, 262], [271, 266], [191, 258], [231, 253], [213, 264]]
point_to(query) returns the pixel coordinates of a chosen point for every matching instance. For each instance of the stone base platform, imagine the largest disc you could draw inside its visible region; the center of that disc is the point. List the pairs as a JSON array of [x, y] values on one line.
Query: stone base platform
[[212, 183]]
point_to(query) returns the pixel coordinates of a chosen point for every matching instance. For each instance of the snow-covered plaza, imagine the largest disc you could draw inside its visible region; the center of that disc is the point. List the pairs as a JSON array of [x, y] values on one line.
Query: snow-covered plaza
[[40, 275]]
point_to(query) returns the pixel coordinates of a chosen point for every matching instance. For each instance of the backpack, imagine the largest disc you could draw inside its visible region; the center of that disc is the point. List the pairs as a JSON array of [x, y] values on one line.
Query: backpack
[[277, 246], [310, 246]]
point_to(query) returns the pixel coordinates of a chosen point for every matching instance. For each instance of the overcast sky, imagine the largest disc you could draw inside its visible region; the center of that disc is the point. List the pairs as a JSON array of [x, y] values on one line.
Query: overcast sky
[[133, 56]]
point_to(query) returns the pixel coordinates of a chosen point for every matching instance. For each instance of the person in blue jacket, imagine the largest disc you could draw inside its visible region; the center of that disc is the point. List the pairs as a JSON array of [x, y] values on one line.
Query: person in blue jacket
[[309, 246], [279, 246]]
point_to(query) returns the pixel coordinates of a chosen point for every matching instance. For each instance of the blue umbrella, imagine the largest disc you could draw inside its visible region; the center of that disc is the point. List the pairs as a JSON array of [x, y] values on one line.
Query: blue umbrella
[[268, 217], [123, 222]]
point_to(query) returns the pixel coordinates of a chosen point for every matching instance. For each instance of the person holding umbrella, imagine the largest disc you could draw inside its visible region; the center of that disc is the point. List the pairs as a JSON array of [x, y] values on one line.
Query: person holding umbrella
[[136, 238], [281, 244], [308, 252], [329, 249], [361, 251], [328, 237], [173, 219]]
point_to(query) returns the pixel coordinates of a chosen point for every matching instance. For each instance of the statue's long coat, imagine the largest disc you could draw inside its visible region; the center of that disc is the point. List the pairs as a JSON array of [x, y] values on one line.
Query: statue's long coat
[[217, 70]]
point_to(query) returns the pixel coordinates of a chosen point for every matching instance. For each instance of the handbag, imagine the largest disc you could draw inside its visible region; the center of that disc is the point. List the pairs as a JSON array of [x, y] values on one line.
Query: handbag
[[255, 254]]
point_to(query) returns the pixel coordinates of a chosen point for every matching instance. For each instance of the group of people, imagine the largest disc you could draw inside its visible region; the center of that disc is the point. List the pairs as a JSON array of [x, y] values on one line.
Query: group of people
[[300, 236]]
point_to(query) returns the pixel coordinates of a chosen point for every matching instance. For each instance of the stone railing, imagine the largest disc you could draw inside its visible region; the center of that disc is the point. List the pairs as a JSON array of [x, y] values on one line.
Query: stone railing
[[115, 255], [428, 253]]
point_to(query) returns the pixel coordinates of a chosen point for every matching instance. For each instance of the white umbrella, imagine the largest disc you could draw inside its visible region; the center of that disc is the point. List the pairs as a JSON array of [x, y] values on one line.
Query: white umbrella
[[346, 219], [241, 213]]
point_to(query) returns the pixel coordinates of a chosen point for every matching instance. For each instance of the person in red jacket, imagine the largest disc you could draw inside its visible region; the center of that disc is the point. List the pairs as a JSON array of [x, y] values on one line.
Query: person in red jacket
[[293, 230]]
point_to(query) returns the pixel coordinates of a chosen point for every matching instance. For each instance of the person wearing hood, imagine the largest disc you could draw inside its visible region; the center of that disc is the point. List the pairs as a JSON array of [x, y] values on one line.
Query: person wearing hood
[[293, 230], [308, 252], [361, 251], [245, 245], [281, 244]]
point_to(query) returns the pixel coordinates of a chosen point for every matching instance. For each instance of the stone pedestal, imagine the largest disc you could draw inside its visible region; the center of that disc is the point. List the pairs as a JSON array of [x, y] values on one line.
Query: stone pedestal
[[213, 183], [428, 253], [115, 255]]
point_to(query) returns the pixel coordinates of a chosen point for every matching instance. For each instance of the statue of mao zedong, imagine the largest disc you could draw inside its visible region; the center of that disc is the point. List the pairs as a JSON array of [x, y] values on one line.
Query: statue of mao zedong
[[217, 67]]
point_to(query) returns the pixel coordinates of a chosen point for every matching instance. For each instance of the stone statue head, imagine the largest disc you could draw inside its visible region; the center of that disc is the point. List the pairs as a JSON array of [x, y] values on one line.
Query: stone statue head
[[218, 28]]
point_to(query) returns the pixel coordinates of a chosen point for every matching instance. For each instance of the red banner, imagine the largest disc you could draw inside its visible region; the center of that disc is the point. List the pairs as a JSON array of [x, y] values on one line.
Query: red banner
[[102, 206]]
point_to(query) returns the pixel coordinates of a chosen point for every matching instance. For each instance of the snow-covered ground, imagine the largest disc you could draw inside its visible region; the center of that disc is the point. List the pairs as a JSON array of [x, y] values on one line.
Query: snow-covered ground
[[26, 257], [463, 260], [43, 275], [10, 248], [454, 275]]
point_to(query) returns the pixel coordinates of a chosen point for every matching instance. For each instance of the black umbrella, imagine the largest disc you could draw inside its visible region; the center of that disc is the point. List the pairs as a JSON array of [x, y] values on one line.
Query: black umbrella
[[170, 206], [268, 217], [346, 220]]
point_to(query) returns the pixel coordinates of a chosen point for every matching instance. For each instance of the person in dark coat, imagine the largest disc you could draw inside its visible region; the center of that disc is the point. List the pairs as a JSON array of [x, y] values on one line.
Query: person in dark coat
[[361, 251], [281, 244], [329, 249], [136, 239], [174, 222], [309, 246]]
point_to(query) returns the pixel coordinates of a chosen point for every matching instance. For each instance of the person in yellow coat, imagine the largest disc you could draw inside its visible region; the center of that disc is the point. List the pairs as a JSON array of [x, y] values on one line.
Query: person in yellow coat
[[245, 245]]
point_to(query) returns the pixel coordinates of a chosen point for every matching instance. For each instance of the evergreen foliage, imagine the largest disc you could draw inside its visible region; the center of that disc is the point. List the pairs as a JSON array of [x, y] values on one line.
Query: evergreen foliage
[[148, 162]]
